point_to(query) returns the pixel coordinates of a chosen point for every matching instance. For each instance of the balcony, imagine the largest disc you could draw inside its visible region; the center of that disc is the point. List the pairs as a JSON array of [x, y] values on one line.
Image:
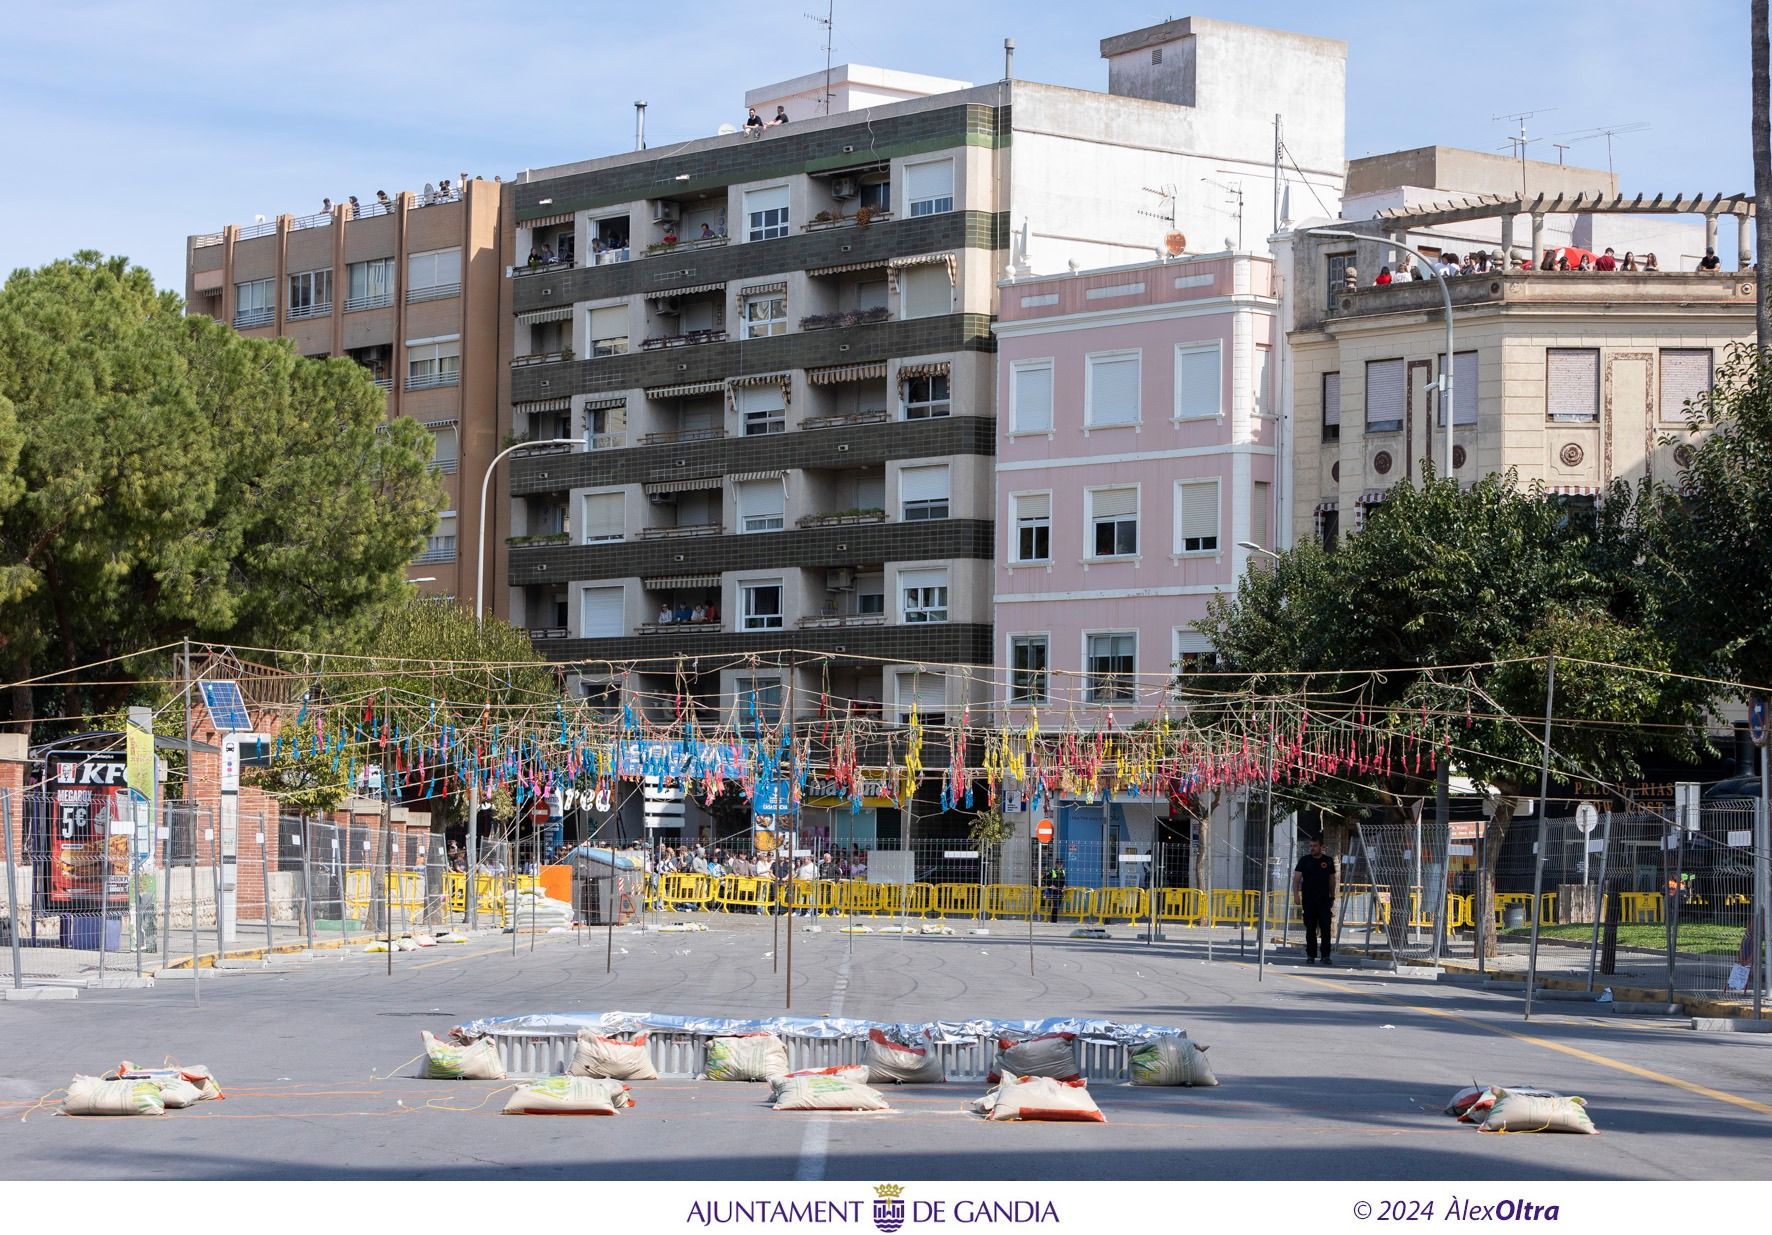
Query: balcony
[[843, 518], [684, 246], [544, 538], [841, 621], [246, 319], [519, 362], [553, 267], [379, 300], [875, 416], [437, 549], [386, 383], [605, 441], [826, 220], [685, 339], [678, 533], [673, 437], [538, 634], [299, 312], [441, 291], [431, 381], [706, 626], [844, 320]]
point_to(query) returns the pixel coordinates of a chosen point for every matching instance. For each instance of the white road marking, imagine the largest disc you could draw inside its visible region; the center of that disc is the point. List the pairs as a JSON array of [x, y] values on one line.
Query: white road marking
[[815, 1148]]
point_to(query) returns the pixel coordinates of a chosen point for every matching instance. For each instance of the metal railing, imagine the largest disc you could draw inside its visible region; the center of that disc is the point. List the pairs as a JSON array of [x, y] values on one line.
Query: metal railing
[[667, 437], [437, 549], [355, 303], [298, 312], [441, 291], [205, 242], [672, 533], [322, 218], [431, 381], [247, 318], [535, 358], [254, 230]]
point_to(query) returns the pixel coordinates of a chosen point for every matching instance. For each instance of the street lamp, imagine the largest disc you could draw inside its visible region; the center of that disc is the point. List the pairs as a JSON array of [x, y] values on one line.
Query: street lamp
[[1445, 379], [485, 483], [1255, 548]]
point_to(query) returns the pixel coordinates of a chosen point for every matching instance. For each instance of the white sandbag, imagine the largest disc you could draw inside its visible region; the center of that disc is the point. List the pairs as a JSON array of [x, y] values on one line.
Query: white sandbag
[[613, 1058], [843, 1071], [195, 1075], [891, 1062], [1171, 1061], [1522, 1112], [424, 941], [452, 937], [1472, 1105], [90, 1095], [1053, 1054], [826, 1093], [569, 1095], [746, 1057], [1040, 1099], [449, 1061], [176, 1093]]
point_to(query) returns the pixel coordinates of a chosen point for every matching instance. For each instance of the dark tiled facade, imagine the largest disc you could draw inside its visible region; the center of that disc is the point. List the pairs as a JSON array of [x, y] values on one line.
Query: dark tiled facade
[[942, 642]]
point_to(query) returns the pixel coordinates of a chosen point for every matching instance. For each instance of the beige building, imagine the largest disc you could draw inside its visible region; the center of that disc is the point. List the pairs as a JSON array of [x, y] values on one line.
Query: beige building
[[408, 288], [1575, 379]]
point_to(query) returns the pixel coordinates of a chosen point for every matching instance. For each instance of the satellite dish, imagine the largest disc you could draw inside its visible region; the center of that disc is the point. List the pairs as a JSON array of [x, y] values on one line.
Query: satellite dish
[[726, 130], [1175, 244], [258, 218]]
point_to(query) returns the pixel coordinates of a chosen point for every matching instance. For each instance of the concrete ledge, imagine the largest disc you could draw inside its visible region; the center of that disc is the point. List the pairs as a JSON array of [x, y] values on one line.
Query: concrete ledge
[[38, 992], [122, 982], [1730, 1024], [243, 963]]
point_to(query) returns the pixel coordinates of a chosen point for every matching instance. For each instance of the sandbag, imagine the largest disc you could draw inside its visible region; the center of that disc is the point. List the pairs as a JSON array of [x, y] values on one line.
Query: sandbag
[[447, 1061], [569, 1095], [844, 1071], [826, 1093], [1524, 1112], [1040, 1099], [195, 1075], [1053, 1054], [91, 1095], [1472, 1105], [891, 1062], [613, 1058], [1171, 1061], [746, 1057]]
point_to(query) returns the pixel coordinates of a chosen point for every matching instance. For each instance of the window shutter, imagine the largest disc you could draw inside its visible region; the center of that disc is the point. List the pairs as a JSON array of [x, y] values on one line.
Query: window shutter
[[610, 322], [1332, 400], [1033, 506], [923, 484], [603, 516], [1032, 398], [1384, 395], [908, 579], [1113, 390], [1572, 383], [926, 180], [766, 199], [445, 454], [926, 291], [1200, 382], [932, 692], [603, 612], [1264, 379], [761, 397], [1258, 515], [761, 499], [1199, 510], [1191, 641], [1113, 503], [1464, 390], [1685, 375]]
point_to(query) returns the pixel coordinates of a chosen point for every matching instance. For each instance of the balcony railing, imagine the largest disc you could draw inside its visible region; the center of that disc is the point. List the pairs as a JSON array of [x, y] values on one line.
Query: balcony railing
[[842, 518], [255, 230], [673, 437], [322, 218], [437, 549], [442, 291], [539, 448], [682, 340], [381, 300], [386, 383], [246, 318], [839, 321], [518, 272], [831, 621], [519, 362], [541, 538], [677, 533], [300, 311], [873, 416], [431, 381], [446, 467], [204, 242], [605, 441], [687, 246], [609, 257], [538, 633], [846, 220], [687, 626]]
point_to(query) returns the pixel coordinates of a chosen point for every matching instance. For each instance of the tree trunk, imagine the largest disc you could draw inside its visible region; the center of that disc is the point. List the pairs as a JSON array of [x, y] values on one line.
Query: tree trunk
[[1494, 837], [1762, 135], [24, 701]]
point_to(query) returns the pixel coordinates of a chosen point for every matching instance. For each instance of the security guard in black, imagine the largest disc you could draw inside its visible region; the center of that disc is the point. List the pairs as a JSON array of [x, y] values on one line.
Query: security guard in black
[[1313, 879]]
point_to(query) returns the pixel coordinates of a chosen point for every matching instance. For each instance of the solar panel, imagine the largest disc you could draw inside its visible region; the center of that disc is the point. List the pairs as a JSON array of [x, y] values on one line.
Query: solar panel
[[227, 709]]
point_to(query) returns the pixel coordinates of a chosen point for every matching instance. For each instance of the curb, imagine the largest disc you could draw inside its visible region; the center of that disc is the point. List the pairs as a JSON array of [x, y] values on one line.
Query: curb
[[1655, 997]]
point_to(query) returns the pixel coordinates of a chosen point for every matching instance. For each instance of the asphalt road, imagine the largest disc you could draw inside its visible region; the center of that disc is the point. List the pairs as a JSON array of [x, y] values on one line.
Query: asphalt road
[[1325, 1074]]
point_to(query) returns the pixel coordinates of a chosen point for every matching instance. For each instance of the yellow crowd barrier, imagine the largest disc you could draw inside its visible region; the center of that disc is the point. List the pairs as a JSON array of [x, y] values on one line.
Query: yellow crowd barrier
[[1641, 908], [1130, 904], [1179, 905]]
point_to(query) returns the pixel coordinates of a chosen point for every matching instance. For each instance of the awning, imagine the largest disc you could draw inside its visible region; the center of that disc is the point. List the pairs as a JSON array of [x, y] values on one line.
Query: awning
[[440, 424], [547, 220], [687, 388], [676, 581], [558, 314], [846, 267], [661, 293], [1326, 507], [764, 289], [605, 403], [846, 373], [939, 368], [762, 379], [684, 486], [919, 259], [1574, 490], [736, 477], [542, 405], [1373, 497]]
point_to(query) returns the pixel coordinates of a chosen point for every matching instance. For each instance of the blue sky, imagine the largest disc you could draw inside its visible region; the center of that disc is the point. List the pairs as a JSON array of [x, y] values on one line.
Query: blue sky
[[130, 125]]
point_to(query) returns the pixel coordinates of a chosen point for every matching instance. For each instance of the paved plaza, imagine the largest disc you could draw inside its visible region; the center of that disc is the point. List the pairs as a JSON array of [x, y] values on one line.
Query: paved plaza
[[1325, 1073]]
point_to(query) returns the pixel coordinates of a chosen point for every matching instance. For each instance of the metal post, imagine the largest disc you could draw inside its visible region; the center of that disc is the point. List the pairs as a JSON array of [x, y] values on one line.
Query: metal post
[[485, 485], [793, 844], [1372, 895], [1034, 891], [609, 918], [472, 901], [18, 972], [264, 862], [1205, 852], [307, 879], [1267, 841], [1479, 909], [1443, 830], [1593, 949], [162, 814], [1673, 893], [1550, 696], [196, 970], [1762, 915]]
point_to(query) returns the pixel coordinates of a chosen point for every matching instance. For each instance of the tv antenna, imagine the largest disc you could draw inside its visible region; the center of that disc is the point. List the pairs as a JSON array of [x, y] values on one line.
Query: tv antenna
[[828, 21], [1608, 132], [1233, 193], [1165, 195], [1519, 143]]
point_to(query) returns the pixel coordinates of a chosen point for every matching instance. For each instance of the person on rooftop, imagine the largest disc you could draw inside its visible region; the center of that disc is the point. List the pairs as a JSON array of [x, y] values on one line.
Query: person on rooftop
[[780, 117], [1606, 262], [1710, 261], [753, 123], [1630, 261], [1384, 277], [1651, 264]]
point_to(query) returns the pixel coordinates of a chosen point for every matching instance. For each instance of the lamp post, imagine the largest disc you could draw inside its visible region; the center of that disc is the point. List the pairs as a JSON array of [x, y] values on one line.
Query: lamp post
[[1255, 548], [1445, 380], [485, 484]]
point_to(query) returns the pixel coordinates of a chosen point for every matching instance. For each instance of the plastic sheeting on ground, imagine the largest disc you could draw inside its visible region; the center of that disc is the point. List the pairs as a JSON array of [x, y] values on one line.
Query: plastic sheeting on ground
[[565, 1024]]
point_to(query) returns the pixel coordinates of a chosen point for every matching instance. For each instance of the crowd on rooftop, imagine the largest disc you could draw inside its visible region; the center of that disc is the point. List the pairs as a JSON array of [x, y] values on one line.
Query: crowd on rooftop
[[1556, 258]]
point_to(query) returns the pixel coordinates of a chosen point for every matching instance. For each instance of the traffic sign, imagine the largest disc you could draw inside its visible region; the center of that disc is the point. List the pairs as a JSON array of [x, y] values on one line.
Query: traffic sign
[[1756, 720], [1043, 831], [1587, 817]]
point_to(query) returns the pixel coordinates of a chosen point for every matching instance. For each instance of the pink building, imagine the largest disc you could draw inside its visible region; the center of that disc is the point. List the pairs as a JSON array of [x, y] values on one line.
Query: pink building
[[1136, 436]]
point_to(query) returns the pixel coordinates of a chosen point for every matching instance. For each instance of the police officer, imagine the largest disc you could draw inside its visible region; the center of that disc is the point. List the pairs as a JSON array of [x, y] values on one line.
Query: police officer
[[1313, 882], [1055, 884]]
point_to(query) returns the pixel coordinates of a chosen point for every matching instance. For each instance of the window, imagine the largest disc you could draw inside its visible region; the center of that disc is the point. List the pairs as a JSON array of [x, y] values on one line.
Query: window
[[1264, 381], [445, 449], [1384, 396], [1193, 653], [609, 330], [1032, 513], [433, 275], [433, 362], [1334, 275], [1108, 662], [1331, 407], [1113, 522], [870, 594], [925, 291], [255, 303], [929, 187], [310, 294], [761, 505], [760, 605], [1464, 390], [766, 211], [875, 195], [926, 398], [604, 521], [440, 544], [1196, 516], [604, 612], [761, 408], [923, 492], [765, 316], [1027, 668], [1110, 395], [1258, 512], [1030, 396], [369, 285], [1572, 383], [1685, 375], [1199, 382], [1329, 529], [871, 294], [927, 693], [925, 594], [759, 699]]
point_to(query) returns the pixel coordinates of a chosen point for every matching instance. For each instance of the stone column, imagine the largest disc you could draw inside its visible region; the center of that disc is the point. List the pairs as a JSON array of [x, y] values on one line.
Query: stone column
[[1537, 240], [1710, 232]]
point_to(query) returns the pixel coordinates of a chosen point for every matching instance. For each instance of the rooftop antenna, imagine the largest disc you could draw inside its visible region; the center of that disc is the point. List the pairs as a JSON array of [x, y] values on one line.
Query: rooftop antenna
[[1233, 192], [1520, 142], [639, 124], [1562, 148], [1008, 59], [1608, 132], [828, 21], [1165, 211]]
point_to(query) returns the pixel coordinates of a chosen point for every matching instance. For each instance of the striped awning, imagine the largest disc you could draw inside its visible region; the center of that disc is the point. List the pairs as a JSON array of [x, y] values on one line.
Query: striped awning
[[684, 486], [604, 403], [846, 373], [846, 267], [762, 379], [542, 405], [939, 368], [660, 293], [687, 388], [547, 220], [777, 474], [557, 314], [1575, 490], [764, 289], [676, 581], [440, 424], [1327, 506], [920, 259]]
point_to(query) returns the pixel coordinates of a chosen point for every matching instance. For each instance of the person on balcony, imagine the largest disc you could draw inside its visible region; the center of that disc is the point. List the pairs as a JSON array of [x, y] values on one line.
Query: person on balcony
[[700, 614], [1651, 265], [664, 615], [707, 233], [1630, 262], [1407, 271]]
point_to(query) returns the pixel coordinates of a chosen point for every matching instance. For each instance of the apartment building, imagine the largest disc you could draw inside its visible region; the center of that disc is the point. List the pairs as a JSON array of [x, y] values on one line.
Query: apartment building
[[409, 289], [776, 351]]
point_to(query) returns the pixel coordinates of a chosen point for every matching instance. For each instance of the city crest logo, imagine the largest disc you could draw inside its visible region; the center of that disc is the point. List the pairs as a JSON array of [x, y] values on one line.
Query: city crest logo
[[888, 1207]]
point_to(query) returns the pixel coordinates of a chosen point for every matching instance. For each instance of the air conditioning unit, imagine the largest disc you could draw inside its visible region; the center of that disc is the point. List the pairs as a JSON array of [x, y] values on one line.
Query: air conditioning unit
[[662, 499], [667, 212], [667, 306], [840, 580], [843, 187]]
